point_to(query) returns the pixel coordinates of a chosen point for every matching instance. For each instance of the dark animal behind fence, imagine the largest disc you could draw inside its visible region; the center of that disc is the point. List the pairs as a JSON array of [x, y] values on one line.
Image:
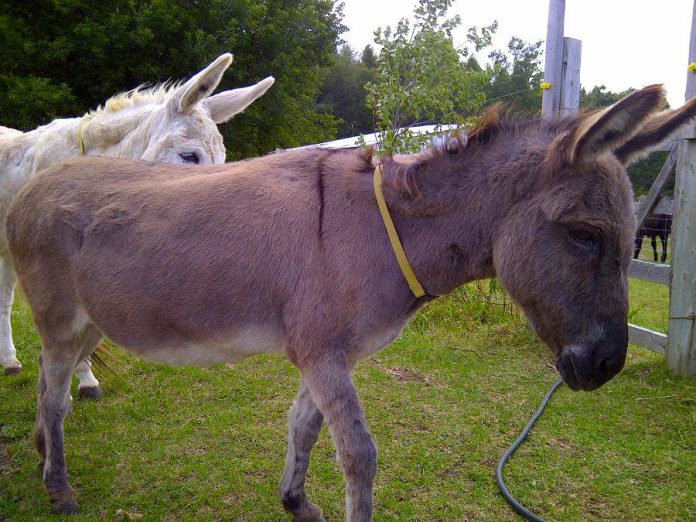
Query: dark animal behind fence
[[656, 225], [288, 253]]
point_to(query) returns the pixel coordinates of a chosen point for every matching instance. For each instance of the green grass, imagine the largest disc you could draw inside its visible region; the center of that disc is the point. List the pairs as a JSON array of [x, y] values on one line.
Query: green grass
[[443, 402], [649, 305]]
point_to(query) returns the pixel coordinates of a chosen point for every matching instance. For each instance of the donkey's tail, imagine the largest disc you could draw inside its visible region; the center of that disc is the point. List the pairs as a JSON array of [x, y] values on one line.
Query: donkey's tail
[[107, 359]]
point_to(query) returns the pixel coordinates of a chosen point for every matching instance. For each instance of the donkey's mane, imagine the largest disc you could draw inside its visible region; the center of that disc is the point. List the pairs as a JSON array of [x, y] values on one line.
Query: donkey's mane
[[499, 121], [138, 97], [495, 124]]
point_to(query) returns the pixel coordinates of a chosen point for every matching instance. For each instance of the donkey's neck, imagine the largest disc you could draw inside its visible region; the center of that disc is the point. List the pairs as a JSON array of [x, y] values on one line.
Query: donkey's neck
[[448, 212], [104, 134], [112, 133]]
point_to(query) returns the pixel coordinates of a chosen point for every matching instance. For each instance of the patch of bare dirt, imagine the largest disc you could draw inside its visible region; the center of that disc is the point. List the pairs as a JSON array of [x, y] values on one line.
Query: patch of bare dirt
[[404, 374]]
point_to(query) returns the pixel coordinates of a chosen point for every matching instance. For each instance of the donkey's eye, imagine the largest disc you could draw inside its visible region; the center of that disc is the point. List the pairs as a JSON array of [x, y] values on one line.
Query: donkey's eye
[[581, 235], [585, 239], [190, 157]]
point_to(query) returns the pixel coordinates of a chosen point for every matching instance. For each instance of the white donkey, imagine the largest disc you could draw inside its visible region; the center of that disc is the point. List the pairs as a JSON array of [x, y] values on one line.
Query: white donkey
[[169, 123]]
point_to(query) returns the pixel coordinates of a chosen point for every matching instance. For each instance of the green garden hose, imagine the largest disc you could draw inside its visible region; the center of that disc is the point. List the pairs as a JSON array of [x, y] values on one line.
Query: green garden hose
[[499, 470]]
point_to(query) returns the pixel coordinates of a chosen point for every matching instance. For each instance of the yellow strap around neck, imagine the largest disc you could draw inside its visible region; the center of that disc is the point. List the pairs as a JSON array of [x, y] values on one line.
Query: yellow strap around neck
[[404, 265], [80, 140]]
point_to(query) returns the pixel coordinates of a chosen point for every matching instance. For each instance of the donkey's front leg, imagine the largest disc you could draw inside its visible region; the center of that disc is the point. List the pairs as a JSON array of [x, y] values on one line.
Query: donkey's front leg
[[8, 354], [304, 425], [329, 383]]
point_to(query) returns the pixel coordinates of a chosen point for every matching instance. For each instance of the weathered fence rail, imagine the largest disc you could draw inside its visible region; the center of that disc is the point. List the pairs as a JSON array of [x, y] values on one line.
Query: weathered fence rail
[[653, 272], [646, 338]]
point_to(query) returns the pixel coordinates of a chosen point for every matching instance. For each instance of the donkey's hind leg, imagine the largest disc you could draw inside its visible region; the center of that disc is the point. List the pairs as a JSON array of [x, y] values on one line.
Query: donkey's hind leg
[[53, 405], [39, 437], [663, 240], [653, 244], [329, 383], [58, 361], [638, 243], [8, 354], [304, 424], [88, 387]]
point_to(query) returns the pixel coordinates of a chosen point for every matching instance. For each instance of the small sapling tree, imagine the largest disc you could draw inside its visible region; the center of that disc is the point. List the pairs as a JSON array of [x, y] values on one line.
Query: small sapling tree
[[421, 77]]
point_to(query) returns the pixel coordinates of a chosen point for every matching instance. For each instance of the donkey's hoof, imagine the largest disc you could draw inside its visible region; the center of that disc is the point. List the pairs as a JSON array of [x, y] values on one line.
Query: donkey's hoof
[[89, 392], [304, 511], [66, 508], [318, 517], [13, 370], [64, 502], [303, 518]]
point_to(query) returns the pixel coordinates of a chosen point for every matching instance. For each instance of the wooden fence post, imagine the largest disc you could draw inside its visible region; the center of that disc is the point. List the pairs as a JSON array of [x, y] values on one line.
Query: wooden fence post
[[681, 340], [570, 77]]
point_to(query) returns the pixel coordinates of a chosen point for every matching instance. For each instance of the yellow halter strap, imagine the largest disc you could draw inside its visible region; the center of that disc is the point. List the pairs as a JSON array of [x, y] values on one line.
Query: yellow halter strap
[[401, 259], [80, 141]]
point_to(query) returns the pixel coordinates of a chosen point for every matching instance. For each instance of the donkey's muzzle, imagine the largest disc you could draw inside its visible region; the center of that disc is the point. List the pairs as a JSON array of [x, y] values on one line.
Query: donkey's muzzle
[[587, 367]]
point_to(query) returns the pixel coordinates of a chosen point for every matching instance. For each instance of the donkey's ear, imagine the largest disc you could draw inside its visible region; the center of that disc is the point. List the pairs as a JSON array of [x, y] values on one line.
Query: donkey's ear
[[612, 127], [201, 85], [226, 104], [658, 128]]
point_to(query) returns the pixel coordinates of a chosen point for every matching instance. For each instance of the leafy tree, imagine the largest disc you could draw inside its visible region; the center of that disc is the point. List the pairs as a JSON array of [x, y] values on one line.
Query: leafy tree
[[343, 94], [515, 76], [644, 172], [599, 97], [368, 57], [63, 57], [29, 100], [421, 76]]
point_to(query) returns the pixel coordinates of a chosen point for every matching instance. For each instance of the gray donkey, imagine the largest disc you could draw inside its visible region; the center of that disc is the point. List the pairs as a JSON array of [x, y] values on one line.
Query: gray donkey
[[289, 254]]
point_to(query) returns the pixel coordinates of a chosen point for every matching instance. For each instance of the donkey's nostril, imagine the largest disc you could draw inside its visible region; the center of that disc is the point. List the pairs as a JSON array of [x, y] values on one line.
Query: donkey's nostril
[[602, 366]]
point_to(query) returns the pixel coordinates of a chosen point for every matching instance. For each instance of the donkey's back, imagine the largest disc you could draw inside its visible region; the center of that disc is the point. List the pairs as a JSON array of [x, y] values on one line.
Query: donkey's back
[[6, 132], [203, 261]]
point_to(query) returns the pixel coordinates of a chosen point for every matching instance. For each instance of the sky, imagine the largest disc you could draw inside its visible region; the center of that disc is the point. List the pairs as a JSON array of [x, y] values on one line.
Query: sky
[[625, 43]]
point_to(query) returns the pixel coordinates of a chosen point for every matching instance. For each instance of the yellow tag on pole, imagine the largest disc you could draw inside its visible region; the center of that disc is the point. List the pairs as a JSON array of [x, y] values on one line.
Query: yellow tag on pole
[[401, 259]]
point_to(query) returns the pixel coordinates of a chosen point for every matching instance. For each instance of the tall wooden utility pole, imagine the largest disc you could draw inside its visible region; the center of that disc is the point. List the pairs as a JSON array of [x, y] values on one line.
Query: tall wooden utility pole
[[553, 62], [561, 66]]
